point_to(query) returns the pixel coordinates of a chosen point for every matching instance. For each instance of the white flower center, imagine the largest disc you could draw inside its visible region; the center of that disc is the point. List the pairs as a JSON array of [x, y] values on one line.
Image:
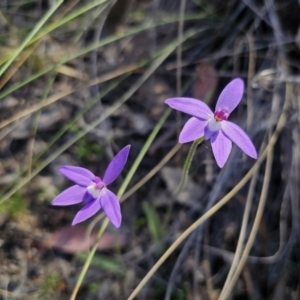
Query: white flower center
[[94, 191], [214, 125]]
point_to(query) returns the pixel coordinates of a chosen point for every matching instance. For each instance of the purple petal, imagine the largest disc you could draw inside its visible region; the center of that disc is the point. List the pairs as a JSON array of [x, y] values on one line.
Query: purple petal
[[239, 137], [72, 195], [231, 95], [190, 106], [111, 206], [192, 130], [79, 175], [116, 165], [87, 211], [221, 147], [209, 133]]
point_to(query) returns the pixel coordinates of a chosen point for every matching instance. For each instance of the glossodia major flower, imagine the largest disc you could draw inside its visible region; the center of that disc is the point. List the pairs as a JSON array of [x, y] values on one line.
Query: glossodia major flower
[[214, 126], [93, 191]]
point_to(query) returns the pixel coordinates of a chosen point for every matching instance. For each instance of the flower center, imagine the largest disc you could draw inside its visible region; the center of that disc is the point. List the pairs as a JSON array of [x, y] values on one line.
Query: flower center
[[214, 124], [221, 114], [96, 187]]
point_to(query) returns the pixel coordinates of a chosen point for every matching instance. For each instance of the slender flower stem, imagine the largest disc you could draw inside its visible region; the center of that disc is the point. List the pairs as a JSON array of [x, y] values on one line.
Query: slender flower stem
[[88, 260], [135, 165], [187, 164], [120, 194], [280, 125], [184, 178]]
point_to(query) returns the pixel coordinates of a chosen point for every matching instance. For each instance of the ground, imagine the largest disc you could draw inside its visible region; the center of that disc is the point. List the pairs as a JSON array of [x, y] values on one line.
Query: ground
[[92, 79]]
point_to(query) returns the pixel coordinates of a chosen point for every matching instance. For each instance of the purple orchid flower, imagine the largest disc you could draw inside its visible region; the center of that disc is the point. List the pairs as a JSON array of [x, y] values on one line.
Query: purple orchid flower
[[93, 191], [214, 126]]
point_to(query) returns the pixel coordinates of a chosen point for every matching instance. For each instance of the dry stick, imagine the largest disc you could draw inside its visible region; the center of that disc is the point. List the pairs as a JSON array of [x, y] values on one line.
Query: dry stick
[[94, 91], [214, 209], [168, 50], [67, 92], [262, 202], [16, 296], [195, 225], [225, 293], [173, 151], [106, 41], [178, 58], [228, 256], [178, 113], [122, 188], [141, 80], [179, 49], [239, 247], [35, 125], [195, 235], [22, 58], [145, 76], [242, 234], [283, 239], [65, 9], [33, 32], [15, 179], [251, 73], [249, 282], [15, 67]]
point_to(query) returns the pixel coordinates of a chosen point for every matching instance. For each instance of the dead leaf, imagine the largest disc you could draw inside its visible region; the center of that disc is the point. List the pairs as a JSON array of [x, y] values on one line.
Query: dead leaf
[[207, 79], [75, 239]]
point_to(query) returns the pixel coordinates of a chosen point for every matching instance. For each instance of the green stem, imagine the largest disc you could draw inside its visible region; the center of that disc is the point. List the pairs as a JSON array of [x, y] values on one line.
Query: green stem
[[120, 194], [30, 36], [187, 165], [103, 42], [184, 178], [88, 260], [74, 14], [141, 155]]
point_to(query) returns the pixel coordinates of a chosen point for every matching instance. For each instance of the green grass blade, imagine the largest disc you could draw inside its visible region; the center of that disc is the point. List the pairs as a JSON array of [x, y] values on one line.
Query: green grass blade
[[36, 28], [92, 47], [154, 225], [67, 19]]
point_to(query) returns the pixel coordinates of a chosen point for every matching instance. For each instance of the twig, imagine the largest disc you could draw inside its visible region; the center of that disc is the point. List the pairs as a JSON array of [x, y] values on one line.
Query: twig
[[214, 209], [262, 201], [179, 57]]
